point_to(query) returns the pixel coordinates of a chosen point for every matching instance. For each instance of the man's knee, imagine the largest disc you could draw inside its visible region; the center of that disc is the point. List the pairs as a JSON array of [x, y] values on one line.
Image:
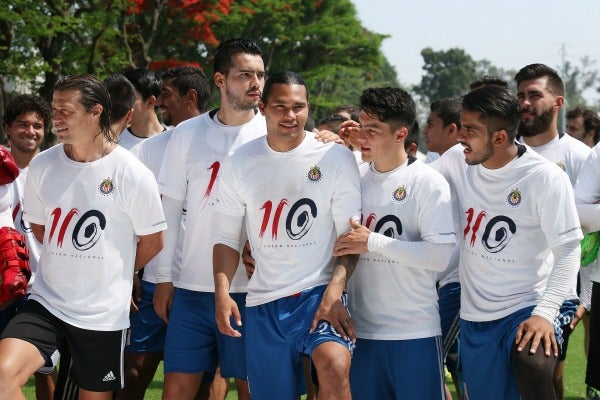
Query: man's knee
[[332, 361], [533, 373]]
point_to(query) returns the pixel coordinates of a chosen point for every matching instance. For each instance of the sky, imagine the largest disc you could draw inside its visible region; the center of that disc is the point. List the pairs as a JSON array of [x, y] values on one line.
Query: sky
[[510, 33]]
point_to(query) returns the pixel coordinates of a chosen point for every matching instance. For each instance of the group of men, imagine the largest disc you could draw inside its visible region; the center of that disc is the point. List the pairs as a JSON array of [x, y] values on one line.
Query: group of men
[[348, 259]]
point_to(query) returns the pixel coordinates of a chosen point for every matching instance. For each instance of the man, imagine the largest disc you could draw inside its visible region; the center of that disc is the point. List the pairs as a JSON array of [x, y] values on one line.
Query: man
[[144, 122], [440, 132], [27, 119], [519, 255], [288, 178], [540, 92], [122, 99], [145, 345], [179, 95], [76, 191], [406, 240], [584, 124], [191, 175]]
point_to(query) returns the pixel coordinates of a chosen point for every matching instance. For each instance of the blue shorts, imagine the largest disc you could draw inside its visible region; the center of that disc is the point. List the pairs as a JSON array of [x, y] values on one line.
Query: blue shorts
[[485, 349], [449, 305], [194, 343], [147, 332], [279, 333], [397, 369], [563, 320]]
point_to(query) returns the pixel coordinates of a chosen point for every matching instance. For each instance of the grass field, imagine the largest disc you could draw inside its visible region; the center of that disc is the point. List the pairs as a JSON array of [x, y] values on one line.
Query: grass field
[[574, 374]]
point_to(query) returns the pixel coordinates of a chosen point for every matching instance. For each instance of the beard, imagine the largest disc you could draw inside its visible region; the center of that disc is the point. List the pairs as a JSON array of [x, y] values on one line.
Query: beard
[[539, 124], [240, 103]]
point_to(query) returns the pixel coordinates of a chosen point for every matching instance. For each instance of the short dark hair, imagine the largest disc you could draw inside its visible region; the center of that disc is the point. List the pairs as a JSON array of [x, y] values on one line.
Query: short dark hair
[[332, 121], [186, 78], [145, 81], [285, 78], [226, 50], [498, 107], [448, 110], [351, 109], [536, 71], [25, 103], [413, 135], [122, 95], [487, 80], [591, 120], [93, 92], [392, 106]]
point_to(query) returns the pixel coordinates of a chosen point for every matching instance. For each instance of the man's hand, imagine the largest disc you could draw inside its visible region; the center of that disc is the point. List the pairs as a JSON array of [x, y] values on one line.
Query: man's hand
[[248, 260], [353, 242], [136, 295], [162, 300], [537, 329], [581, 311], [333, 311], [225, 309], [326, 136], [349, 133]]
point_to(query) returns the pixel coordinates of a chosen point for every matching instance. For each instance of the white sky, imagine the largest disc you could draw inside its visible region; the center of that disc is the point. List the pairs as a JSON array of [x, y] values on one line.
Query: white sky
[[509, 33]]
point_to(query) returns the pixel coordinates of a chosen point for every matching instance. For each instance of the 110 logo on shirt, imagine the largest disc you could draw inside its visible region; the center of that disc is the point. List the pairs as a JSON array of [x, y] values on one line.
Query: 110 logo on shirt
[[299, 218], [497, 233], [86, 232]]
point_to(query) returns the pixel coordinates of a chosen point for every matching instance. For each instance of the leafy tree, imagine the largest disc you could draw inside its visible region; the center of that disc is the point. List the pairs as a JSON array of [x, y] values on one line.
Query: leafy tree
[[577, 80], [40, 40], [447, 73]]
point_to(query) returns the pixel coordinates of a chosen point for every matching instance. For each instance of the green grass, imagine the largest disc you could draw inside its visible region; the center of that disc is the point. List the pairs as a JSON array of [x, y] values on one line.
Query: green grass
[[574, 380]]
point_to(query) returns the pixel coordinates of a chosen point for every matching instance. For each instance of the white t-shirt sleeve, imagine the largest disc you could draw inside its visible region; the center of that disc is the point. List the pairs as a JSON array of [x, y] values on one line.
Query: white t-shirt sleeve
[[145, 207], [587, 192], [346, 200], [172, 178], [33, 207], [229, 201]]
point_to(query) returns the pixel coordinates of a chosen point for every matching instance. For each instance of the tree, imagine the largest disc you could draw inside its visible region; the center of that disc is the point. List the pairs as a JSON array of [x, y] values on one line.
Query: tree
[[40, 40], [577, 79], [447, 73]]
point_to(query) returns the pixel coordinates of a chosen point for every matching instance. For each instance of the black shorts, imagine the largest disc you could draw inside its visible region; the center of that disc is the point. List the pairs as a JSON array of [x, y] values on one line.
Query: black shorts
[[97, 356], [592, 374]]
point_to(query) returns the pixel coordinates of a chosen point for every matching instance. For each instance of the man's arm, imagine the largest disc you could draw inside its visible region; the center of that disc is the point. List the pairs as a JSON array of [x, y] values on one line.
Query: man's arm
[[148, 246], [539, 327], [163, 294], [38, 232], [225, 263], [331, 308]]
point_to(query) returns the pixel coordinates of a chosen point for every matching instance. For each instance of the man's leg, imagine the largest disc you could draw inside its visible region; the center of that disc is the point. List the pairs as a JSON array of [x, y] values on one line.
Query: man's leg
[[533, 373], [18, 361], [191, 344], [145, 345], [332, 362], [45, 385]]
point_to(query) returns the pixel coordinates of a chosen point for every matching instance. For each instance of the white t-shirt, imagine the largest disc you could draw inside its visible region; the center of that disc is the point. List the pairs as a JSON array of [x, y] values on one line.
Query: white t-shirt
[[6, 206], [189, 173], [566, 152], [569, 154], [510, 219], [389, 299], [92, 214], [131, 142], [295, 204], [152, 152], [34, 247], [587, 194]]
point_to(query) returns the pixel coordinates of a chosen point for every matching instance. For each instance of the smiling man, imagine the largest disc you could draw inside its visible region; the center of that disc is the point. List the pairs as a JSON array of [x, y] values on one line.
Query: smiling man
[[295, 195]]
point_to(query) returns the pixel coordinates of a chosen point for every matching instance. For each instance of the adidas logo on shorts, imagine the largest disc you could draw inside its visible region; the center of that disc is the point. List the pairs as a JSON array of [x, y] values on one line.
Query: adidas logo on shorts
[[109, 377]]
